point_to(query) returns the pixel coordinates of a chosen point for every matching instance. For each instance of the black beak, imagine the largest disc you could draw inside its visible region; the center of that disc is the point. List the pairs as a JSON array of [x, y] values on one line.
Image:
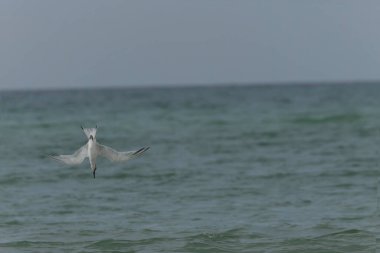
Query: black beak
[[92, 138]]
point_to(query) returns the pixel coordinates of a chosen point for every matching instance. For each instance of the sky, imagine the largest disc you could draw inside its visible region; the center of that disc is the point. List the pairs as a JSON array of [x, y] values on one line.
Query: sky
[[94, 43]]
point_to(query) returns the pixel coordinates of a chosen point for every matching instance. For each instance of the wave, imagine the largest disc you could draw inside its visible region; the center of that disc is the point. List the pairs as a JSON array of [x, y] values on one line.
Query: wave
[[338, 118], [347, 232], [30, 244], [225, 241], [232, 240]]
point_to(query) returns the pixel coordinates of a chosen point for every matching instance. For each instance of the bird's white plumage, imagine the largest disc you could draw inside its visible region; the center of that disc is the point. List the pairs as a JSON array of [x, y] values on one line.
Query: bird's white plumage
[[116, 156], [74, 159], [92, 150]]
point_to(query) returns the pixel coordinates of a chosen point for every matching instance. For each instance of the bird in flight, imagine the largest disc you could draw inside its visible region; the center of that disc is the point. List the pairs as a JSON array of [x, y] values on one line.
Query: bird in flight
[[92, 150]]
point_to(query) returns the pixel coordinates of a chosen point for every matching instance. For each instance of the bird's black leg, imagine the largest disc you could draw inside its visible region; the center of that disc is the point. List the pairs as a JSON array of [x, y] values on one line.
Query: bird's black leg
[[93, 172]]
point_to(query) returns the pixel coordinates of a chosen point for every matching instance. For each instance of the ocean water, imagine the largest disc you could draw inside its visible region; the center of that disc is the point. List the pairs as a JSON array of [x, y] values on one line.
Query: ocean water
[[230, 169]]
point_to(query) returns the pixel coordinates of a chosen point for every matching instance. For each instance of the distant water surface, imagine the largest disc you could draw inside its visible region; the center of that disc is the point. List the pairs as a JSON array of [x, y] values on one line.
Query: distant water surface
[[230, 169]]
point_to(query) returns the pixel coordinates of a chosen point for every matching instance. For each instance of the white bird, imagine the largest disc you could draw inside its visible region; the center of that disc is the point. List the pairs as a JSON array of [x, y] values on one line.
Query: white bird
[[92, 149]]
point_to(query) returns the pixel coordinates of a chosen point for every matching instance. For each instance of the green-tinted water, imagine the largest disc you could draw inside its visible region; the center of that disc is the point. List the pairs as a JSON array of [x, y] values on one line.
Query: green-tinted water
[[231, 169]]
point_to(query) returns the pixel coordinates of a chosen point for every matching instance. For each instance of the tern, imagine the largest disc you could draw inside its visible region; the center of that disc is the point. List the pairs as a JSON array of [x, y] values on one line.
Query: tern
[[93, 149]]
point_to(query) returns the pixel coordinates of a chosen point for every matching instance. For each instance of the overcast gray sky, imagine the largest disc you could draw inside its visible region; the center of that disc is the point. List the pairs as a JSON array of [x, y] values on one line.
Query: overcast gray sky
[[73, 43]]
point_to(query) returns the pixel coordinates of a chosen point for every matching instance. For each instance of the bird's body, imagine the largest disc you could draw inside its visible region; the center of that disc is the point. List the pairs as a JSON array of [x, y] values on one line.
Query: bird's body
[[92, 150], [92, 154]]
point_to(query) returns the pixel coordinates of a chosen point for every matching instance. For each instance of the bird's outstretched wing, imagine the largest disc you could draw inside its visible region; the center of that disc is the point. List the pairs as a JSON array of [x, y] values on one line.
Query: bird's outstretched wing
[[116, 156], [74, 159]]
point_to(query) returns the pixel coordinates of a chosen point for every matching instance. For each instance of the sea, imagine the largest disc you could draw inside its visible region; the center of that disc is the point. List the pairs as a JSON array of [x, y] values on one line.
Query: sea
[[233, 168]]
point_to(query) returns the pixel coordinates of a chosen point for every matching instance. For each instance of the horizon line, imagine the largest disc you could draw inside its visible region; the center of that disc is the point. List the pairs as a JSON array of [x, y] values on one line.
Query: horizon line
[[194, 85]]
